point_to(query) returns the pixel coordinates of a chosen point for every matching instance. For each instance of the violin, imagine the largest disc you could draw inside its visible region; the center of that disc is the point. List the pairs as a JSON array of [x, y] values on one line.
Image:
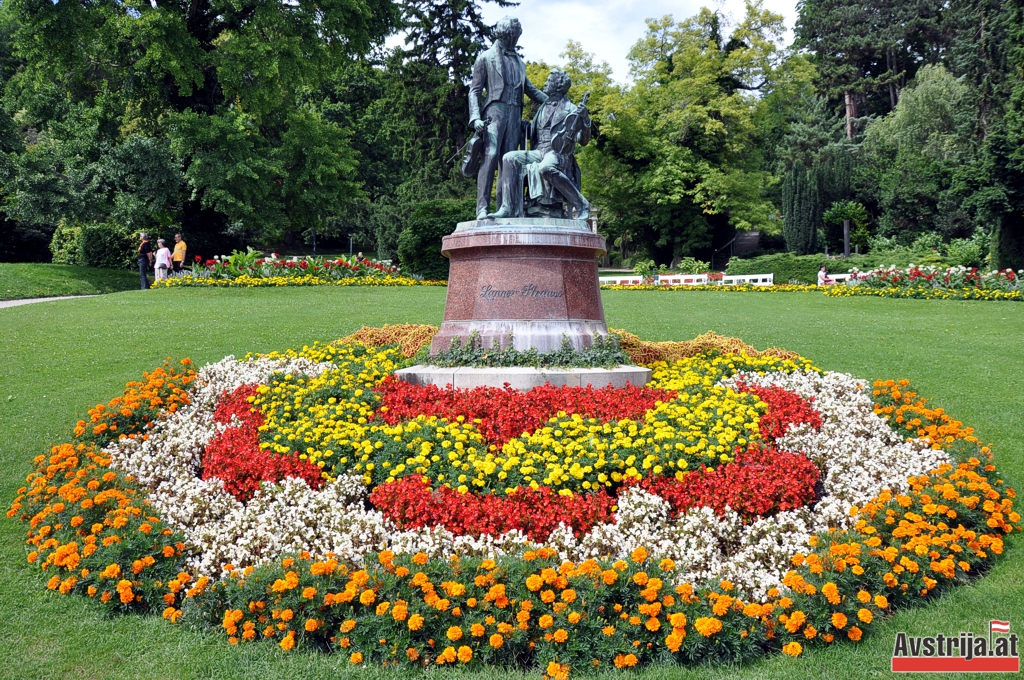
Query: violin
[[564, 140]]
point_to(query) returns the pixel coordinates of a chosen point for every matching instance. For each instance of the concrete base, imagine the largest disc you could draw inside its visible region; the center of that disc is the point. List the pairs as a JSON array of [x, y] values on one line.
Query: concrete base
[[524, 378]]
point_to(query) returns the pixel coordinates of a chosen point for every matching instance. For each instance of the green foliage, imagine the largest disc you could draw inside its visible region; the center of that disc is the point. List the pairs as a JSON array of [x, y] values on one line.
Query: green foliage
[[644, 268], [671, 177], [689, 265], [103, 245], [196, 114], [917, 158], [788, 267], [604, 352], [419, 245]]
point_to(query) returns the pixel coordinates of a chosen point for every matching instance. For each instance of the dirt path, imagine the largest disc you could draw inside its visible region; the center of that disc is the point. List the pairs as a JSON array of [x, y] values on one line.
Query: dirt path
[[28, 301]]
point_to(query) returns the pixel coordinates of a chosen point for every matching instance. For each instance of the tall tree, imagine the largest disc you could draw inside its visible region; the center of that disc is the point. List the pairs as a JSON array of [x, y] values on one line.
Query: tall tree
[[218, 87], [676, 168]]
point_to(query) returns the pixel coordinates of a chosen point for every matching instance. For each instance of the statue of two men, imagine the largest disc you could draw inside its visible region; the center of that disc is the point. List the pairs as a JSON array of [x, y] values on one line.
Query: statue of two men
[[549, 167]]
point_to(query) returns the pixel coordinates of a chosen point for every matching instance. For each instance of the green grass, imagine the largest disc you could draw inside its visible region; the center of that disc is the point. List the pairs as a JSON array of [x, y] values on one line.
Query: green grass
[[61, 357], [29, 280]]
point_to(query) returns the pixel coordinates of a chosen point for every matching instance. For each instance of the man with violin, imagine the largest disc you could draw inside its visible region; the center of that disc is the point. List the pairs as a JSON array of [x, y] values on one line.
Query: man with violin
[[549, 167]]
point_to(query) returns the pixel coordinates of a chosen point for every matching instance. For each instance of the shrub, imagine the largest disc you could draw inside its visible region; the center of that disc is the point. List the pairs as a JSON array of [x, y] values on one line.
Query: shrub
[[94, 244], [804, 268], [419, 245]]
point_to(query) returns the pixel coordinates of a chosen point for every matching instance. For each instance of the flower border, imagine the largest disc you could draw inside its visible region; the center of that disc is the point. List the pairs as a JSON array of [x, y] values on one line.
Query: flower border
[[93, 530]]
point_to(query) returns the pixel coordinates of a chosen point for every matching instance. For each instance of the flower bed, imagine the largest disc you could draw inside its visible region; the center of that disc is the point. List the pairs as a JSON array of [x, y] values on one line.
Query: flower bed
[[742, 503], [251, 269]]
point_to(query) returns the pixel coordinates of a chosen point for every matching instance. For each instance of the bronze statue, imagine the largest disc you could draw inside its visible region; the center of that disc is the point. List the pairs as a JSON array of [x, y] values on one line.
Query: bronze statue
[[549, 168], [499, 79]]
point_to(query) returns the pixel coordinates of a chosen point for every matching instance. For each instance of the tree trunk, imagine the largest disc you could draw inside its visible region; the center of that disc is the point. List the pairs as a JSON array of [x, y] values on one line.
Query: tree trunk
[[846, 238], [851, 113]]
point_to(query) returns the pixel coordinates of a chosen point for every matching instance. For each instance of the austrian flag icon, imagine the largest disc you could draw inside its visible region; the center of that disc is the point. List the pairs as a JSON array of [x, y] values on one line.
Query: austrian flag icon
[[999, 627]]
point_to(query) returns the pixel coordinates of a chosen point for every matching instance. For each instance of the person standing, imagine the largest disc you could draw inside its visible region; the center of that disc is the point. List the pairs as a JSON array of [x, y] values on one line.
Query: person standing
[[163, 259], [501, 72], [180, 249], [145, 258]]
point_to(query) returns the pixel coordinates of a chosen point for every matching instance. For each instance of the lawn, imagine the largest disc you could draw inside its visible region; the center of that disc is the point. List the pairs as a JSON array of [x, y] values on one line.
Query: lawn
[[29, 280], [62, 357]]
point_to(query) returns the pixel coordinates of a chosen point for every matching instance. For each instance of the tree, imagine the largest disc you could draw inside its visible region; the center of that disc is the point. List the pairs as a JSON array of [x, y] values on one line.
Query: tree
[[214, 88], [677, 167], [915, 155]]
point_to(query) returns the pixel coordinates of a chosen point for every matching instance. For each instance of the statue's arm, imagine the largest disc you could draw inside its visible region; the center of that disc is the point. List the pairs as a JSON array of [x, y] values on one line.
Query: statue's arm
[[533, 93], [476, 88]]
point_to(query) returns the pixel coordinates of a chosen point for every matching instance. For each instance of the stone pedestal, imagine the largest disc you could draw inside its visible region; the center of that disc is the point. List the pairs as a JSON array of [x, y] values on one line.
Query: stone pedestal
[[534, 279]]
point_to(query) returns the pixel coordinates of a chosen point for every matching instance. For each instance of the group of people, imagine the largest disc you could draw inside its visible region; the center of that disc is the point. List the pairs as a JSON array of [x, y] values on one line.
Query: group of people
[[162, 259]]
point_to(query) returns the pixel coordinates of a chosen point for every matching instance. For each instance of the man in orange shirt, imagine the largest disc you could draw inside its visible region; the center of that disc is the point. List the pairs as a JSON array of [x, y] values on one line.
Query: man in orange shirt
[[178, 257]]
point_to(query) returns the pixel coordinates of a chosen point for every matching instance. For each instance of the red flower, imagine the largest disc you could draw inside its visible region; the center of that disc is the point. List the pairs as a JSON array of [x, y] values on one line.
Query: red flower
[[762, 480], [508, 413], [235, 456]]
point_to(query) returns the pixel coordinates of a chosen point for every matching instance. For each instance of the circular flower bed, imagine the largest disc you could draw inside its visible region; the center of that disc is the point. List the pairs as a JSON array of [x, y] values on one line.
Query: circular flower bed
[[741, 502]]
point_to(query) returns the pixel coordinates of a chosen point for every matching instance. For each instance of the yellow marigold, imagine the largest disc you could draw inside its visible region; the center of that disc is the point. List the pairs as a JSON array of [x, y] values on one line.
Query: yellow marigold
[[707, 625], [309, 593], [640, 578], [496, 641], [561, 635], [865, 615], [652, 624], [574, 617], [347, 625], [609, 576], [415, 622], [639, 555], [288, 642], [839, 620], [546, 621], [412, 653], [367, 598], [831, 592], [569, 595], [608, 630], [534, 582], [465, 654], [311, 625], [792, 649], [477, 630], [678, 620], [864, 596], [356, 658], [382, 608], [854, 633], [881, 601], [454, 633]]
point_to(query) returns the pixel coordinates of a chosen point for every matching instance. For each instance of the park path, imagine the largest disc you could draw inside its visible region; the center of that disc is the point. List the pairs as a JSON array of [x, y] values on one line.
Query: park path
[[28, 301]]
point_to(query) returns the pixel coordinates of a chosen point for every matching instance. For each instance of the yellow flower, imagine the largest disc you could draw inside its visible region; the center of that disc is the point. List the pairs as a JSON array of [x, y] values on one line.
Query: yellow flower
[[792, 649]]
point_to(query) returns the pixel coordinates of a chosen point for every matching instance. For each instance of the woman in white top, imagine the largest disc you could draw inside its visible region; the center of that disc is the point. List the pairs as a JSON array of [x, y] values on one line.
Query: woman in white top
[[163, 259], [823, 278]]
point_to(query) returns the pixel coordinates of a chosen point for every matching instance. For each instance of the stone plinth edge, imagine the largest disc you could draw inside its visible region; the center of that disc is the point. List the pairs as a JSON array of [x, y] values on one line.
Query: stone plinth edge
[[524, 223], [524, 378]]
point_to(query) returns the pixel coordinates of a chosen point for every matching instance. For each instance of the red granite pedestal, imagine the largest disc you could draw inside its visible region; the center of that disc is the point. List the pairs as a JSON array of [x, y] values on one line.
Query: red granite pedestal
[[529, 282]]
